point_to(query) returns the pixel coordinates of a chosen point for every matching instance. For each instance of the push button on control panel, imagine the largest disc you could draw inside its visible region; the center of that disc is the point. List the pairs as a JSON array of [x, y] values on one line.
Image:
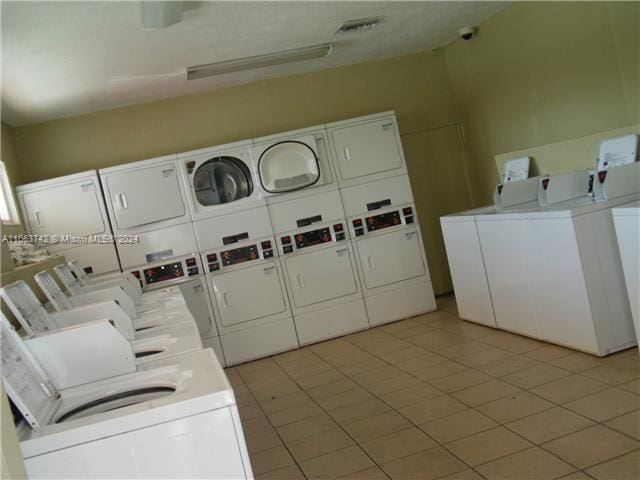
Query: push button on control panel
[[267, 253], [287, 248], [214, 267]]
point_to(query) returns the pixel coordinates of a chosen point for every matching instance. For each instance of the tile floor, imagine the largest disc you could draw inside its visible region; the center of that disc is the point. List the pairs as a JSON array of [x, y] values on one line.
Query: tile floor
[[436, 397]]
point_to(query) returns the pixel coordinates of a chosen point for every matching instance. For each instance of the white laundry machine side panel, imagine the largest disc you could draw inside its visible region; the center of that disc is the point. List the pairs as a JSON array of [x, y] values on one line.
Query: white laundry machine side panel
[[605, 280], [367, 148], [146, 195], [200, 446], [503, 244], [468, 274], [557, 279], [156, 245], [627, 223]]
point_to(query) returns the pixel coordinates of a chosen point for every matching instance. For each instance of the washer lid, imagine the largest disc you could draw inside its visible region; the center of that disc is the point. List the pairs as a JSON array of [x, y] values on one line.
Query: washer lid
[[288, 165], [25, 382]]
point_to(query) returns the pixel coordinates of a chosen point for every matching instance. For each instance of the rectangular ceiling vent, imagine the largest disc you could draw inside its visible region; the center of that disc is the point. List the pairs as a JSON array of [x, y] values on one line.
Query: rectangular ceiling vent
[[359, 25]]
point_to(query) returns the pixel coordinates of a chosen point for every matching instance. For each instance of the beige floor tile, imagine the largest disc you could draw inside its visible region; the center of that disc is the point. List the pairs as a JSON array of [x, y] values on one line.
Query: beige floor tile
[[407, 353], [336, 464], [577, 362], [305, 428], [433, 408], [457, 426], [256, 425], [353, 358], [275, 391], [292, 472], [397, 382], [513, 407], [464, 475], [605, 405], [409, 396], [576, 476], [440, 370], [628, 424], [294, 414], [486, 446], [319, 444], [416, 364], [373, 473], [591, 446], [247, 412], [397, 445], [374, 376], [507, 365], [462, 348], [426, 465], [332, 388], [419, 329], [567, 389], [549, 425], [359, 411], [361, 367], [436, 340], [320, 378], [485, 392], [398, 326], [513, 343], [333, 348], [350, 397], [271, 459], [284, 402], [548, 353], [270, 381], [615, 372], [460, 381], [534, 376], [632, 386], [378, 426], [626, 467], [262, 441], [310, 370], [483, 357], [533, 463]]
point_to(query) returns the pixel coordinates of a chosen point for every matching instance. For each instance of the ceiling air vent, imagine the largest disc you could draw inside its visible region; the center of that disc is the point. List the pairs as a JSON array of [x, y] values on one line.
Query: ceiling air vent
[[359, 25]]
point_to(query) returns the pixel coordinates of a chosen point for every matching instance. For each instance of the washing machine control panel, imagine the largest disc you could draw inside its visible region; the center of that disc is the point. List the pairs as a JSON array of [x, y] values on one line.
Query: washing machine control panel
[[309, 238], [220, 259], [389, 218], [168, 271]]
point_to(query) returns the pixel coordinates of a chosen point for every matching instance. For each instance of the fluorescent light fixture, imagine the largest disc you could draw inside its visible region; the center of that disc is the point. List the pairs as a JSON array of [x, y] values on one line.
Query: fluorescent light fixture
[[259, 61]]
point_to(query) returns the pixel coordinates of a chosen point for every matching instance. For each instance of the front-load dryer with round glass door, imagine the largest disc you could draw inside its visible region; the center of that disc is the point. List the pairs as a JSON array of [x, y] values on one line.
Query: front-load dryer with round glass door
[[294, 164], [220, 180]]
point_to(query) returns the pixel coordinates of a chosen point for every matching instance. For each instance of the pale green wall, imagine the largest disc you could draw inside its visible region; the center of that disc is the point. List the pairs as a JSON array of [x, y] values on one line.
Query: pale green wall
[[544, 72]]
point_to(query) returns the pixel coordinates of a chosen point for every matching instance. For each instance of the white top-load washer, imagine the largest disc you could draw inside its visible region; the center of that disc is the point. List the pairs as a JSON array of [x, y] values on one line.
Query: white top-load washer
[[319, 265], [386, 236], [246, 284], [366, 149], [464, 252], [37, 322], [627, 224], [220, 180], [175, 419], [71, 206], [294, 164]]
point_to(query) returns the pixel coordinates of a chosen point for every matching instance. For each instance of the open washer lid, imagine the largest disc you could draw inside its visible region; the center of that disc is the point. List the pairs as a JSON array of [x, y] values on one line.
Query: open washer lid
[[27, 308], [289, 165]]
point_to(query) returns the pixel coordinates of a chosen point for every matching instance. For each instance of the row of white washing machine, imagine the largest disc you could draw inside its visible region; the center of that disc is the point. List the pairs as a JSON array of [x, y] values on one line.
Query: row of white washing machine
[[213, 222], [544, 261], [105, 394]]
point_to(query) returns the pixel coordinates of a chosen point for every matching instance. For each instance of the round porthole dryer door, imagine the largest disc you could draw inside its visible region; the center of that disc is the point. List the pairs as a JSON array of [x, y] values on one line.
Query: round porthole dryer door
[[287, 166], [222, 180]]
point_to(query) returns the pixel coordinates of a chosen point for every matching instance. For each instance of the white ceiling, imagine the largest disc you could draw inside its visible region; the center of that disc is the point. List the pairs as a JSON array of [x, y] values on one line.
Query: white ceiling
[[61, 59]]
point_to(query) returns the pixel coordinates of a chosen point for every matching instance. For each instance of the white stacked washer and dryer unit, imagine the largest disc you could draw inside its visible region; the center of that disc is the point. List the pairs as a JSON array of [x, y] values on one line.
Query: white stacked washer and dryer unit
[[148, 199]]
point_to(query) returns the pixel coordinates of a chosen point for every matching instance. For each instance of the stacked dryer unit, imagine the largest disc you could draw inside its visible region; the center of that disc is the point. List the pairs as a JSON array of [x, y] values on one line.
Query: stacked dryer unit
[[72, 205], [381, 216], [147, 200], [235, 239]]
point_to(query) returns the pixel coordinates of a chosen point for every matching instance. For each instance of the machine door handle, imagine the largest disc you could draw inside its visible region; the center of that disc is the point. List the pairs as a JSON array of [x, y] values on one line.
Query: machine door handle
[[409, 235], [370, 263], [347, 153], [196, 288], [225, 300], [387, 125], [122, 200], [268, 270], [299, 280], [39, 219]]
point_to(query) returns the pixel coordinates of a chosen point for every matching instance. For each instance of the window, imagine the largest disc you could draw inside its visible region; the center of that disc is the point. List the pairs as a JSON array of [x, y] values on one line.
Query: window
[[8, 211]]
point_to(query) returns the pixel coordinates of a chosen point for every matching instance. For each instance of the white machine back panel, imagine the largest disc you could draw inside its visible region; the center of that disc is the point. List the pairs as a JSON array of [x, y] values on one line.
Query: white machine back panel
[[285, 215], [212, 232], [52, 291], [73, 208], [68, 280], [515, 193], [516, 169], [145, 195], [27, 309], [560, 188], [390, 257], [616, 152], [387, 192], [248, 293], [197, 300], [367, 148], [321, 275]]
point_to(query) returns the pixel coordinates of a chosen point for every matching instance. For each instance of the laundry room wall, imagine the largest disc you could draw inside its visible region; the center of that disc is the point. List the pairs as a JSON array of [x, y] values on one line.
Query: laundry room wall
[[416, 86], [544, 72]]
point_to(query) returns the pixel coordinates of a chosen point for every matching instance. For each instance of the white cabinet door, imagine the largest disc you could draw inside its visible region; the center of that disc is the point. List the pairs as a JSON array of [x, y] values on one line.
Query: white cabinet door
[[72, 209], [321, 275], [249, 293], [367, 148], [504, 248], [390, 257], [197, 300], [145, 195]]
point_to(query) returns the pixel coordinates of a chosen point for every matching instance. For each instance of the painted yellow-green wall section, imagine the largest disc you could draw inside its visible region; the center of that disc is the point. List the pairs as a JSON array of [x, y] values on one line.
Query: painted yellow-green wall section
[[10, 159], [544, 72]]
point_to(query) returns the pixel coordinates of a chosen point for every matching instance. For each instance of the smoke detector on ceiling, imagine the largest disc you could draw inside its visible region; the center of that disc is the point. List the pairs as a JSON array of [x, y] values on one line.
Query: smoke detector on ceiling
[[359, 25]]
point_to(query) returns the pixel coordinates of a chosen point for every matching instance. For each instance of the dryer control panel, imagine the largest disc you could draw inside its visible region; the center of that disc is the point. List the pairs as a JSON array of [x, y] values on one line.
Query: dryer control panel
[[387, 219], [168, 272], [223, 258], [299, 240]]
